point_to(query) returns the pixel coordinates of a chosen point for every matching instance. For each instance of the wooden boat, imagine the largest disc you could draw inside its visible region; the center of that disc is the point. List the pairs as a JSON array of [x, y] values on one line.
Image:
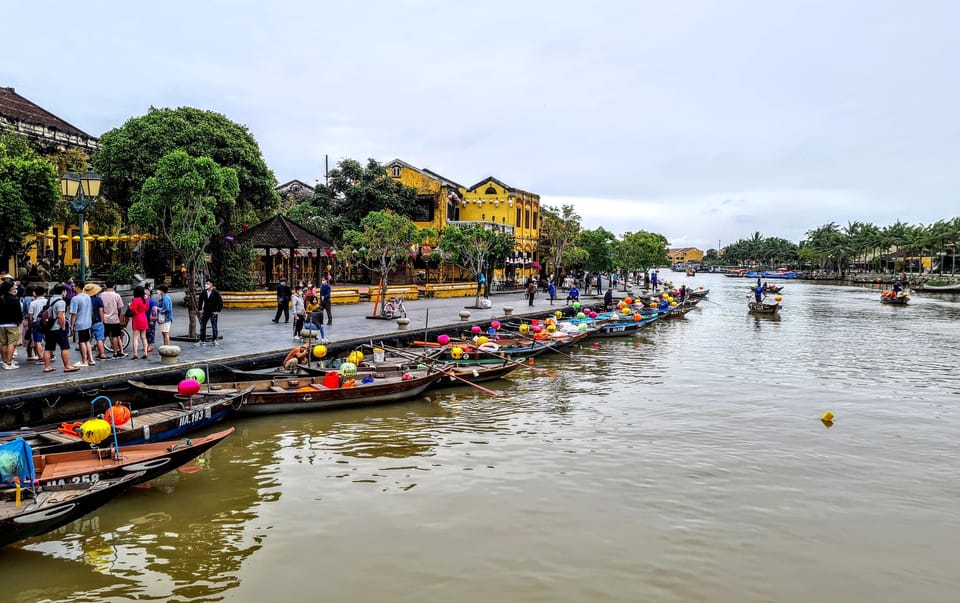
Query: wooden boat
[[891, 298], [477, 373], [770, 289], [152, 424], [755, 307], [46, 509], [301, 394], [151, 460], [697, 293], [945, 288], [678, 311]]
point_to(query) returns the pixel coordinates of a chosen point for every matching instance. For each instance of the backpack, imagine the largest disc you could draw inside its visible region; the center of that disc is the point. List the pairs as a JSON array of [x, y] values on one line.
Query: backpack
[[47, 319]]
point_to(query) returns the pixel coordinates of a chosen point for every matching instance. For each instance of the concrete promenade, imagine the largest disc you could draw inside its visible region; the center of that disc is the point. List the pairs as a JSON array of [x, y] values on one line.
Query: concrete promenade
[[249, 335]]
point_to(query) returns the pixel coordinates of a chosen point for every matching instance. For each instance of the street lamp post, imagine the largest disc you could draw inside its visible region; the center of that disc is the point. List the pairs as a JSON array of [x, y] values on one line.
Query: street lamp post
[[81, 192]]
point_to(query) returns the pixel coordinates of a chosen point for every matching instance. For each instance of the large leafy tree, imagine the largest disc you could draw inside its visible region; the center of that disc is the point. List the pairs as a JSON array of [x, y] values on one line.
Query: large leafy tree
[[642, 250], [28, 193], [185, 201], [351, 192], [385, 240], [601, 244], [558, 233], [475, 249]]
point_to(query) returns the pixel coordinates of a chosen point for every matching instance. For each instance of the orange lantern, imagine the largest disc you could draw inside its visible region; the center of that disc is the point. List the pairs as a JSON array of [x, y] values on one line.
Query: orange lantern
[[117, 415]]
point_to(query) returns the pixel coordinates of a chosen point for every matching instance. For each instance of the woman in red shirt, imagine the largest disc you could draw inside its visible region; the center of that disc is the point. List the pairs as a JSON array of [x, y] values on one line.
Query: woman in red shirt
[[139, 307]]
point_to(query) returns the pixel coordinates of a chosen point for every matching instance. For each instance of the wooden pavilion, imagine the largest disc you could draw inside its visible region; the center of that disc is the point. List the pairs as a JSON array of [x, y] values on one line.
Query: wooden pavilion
[[288, 250]]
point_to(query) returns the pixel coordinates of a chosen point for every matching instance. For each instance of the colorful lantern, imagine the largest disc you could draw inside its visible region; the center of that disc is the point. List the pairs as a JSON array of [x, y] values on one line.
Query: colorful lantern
[[319, 351], [475, 330], [95, 431], [117, 415], [495, 324], [524, 329], [188, 387], [456, 353], [355, 357], [443, 339], [197, 374], [348, 369], [581, 315]]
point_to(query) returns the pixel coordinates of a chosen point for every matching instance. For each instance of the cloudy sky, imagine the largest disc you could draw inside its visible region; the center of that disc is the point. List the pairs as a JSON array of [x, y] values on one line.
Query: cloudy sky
[[703, 120]]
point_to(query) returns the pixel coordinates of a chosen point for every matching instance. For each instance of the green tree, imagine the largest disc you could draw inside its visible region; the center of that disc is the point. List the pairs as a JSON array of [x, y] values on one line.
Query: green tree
[[558, 233], [28, 193], [352, 191], [475, 249], [185, 202], [601, 244], [386, 239], [642, 250]]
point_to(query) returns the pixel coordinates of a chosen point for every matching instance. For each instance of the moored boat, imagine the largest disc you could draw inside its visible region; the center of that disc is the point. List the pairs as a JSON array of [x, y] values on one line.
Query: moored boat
[[755, 307], [940, 288]]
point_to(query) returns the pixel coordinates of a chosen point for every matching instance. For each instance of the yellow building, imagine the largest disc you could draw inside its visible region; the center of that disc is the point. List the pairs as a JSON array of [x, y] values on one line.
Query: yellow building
[[515, 211], [438, 197], [684, 255]]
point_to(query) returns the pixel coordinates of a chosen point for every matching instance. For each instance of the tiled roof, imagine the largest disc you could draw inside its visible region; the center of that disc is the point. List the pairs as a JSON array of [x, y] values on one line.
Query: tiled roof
[[280, 233], [14, 106]]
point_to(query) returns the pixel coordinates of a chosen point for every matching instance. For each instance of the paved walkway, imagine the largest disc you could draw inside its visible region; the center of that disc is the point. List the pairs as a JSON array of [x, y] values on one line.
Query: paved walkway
[[250, 334]]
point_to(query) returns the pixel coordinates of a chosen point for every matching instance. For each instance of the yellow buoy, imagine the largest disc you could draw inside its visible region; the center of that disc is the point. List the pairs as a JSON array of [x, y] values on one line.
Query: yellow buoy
[[827, 417]]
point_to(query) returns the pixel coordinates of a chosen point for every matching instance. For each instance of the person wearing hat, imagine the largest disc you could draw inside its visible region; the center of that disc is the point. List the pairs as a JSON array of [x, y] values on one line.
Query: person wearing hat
[[97, 334], [283, 301], [81, 318]]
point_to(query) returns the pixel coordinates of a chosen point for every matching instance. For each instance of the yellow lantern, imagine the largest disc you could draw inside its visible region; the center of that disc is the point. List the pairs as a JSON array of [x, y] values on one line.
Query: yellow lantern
[[524, 329], [319, 351], [355, 357], [558, 314], [456, 353], [94, 431], [482, 340], [551, 328]]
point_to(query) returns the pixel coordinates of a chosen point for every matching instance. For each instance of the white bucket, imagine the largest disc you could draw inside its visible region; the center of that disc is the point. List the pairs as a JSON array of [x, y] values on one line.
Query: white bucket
[[378, 355]]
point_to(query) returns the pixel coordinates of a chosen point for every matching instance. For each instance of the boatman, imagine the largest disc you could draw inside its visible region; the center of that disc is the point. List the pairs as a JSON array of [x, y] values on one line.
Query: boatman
[[758, 293], [897, 288]]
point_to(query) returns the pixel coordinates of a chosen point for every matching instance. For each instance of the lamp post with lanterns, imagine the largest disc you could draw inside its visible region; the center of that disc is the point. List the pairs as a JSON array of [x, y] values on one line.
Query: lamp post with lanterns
[[81, 192]]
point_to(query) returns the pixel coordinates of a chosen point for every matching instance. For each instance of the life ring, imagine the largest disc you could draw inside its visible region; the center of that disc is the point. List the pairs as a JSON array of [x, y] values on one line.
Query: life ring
[[299, 354], [489, 347]]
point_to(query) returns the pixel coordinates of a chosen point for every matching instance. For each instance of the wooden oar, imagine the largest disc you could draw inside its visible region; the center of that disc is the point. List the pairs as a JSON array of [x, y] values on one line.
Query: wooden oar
[[553, 348], [448, 372]]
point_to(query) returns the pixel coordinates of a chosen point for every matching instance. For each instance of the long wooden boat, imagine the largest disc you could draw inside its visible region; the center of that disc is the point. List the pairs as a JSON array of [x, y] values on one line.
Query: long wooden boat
[[927, 287], [477, 373], [697, 293], [312, 393], [899, 300], [754, 307], [46, 509], [678, 311], [152, 424], [151, 460]]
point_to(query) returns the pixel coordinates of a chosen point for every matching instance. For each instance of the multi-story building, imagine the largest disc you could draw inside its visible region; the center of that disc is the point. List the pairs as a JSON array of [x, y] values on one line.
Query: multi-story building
[[684, 256]]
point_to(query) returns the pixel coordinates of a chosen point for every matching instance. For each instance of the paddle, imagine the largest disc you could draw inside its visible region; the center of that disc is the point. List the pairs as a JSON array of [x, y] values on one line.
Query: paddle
[[448, 372]]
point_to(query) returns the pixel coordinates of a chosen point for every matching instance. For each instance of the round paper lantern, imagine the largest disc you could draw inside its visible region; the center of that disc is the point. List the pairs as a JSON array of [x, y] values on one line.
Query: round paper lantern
[[355, 357], [778, 298], [524, 329], [536, 328], [673, 304], [482, 340], [550, 321], [443, 339], [582, 327], [197, 374], [348, 369], [188, 387], [475, 330], [653, 305], [495, 324], [576, 305], [581, 315], [95, 431], [117, 415], [627, 300], [638, 316], [558, 314], [406, 377], [319, 351], [551, 328], [593, 314], [456, 353]]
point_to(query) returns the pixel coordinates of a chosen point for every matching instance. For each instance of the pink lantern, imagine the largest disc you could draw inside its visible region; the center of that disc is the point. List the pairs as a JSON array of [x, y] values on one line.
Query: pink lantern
[[475, 330], [536, 328], [443, 339], [495, 324], [188, 387]]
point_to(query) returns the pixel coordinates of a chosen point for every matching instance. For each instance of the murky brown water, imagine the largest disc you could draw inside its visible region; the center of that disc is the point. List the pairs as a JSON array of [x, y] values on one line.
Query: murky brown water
[[687, 464]]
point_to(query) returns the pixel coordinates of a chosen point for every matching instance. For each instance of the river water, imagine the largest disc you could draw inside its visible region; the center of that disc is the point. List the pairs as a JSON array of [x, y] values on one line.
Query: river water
[[685, 464]]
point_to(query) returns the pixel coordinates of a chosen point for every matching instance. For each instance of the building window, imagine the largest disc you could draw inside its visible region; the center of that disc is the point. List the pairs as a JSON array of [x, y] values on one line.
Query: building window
[[423, 210], [526, 222], [534, 220], [396, 171], [490, 191], [519, 217]]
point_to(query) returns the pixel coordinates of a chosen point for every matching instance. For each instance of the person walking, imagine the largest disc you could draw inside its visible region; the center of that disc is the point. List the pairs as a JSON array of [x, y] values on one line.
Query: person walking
[[113, 307], [283, 301], [552, 290], [36, 309], [599, 284], [299, 312], [11, 318], [165, 313], [326, 291], [58, 333], [97, 336], [81, 319], [139, 322], [209, 311]]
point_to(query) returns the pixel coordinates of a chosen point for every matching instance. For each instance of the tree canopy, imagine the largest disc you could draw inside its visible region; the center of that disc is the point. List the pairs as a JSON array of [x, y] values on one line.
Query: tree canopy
[[475, 248], [131, 154], [601, 245], [28, 193], [352, 191], [642, 250], [558, 232]]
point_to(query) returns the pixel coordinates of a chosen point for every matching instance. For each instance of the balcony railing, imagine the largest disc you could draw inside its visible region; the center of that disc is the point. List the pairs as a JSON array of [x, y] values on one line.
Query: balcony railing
[[505, 228]]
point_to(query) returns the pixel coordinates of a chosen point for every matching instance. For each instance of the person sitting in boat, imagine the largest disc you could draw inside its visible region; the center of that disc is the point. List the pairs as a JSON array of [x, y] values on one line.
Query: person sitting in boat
[[663, 306], [766, 286], [897, 289], [758, 293], [573, 295]]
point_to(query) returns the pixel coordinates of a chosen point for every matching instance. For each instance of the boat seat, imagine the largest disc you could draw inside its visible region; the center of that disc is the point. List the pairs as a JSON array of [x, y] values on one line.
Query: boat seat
[[319, 386], [278, 389]]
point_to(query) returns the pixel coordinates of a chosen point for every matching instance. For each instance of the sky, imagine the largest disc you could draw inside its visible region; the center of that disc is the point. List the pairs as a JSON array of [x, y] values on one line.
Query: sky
[[706, 121]]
